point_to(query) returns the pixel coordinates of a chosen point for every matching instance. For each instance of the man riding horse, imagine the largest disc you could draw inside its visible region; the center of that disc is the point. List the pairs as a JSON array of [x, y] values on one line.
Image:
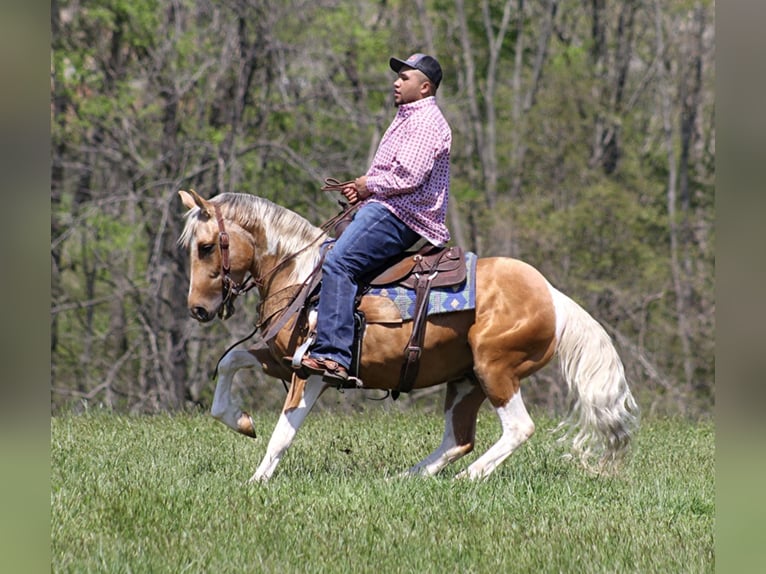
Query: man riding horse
[[517, 322], [404, 199]]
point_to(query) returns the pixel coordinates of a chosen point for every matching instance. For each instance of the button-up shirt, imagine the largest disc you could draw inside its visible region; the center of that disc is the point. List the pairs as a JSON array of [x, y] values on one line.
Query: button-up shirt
[[410, 173]]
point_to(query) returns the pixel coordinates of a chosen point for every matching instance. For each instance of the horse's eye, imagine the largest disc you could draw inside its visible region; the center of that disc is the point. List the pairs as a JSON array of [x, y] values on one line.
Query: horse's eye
[[205, 249]]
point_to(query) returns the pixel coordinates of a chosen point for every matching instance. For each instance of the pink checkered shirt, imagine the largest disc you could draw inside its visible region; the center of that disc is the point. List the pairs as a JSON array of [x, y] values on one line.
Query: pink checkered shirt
[[410, 171]]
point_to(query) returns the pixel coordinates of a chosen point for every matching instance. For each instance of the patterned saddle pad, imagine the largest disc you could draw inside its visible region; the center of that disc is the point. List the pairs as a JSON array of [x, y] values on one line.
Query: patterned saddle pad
[[459, 297]]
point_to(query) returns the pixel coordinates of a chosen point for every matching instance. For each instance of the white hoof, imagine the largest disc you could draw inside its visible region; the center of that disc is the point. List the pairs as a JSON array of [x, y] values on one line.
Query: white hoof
[[258, 479]]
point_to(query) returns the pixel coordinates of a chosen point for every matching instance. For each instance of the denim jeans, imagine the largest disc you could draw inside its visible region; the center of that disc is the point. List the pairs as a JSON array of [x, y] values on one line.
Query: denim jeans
[[373, 237]]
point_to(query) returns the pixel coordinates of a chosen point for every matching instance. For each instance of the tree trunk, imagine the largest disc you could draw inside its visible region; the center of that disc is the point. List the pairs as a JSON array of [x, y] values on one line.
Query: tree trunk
[[663, 69], [489, 150], [453, 213], [525, 100]]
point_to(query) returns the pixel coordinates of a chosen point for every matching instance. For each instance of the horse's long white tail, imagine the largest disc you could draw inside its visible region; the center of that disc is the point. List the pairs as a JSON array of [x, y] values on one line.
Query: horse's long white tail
[[603, 413]]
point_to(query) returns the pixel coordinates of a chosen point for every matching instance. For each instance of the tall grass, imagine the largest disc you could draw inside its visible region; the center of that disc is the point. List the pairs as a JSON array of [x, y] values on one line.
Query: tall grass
[[168, 494]]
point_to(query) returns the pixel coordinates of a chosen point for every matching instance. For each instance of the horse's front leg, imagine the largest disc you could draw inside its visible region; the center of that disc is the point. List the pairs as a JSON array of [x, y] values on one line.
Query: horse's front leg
[[224, 408], [303, 394]]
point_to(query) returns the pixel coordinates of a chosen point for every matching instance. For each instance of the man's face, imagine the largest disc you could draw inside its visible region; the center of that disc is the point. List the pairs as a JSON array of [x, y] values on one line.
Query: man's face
[[409, 86]]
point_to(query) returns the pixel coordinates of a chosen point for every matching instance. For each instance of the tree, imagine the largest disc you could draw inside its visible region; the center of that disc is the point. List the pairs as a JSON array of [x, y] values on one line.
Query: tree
[[583, 142]]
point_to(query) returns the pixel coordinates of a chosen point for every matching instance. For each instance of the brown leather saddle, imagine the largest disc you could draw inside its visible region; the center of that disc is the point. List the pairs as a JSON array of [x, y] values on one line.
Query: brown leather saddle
[[429, 267], [446, 264]]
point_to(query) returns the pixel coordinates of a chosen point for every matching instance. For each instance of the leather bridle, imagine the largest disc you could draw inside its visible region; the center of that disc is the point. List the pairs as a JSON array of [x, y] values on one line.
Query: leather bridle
[[230, 289]]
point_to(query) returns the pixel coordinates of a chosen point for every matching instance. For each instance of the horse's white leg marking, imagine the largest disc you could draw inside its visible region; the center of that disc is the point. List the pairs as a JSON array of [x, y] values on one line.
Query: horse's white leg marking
[[224, 408], [286, 429], [517, 427], [449, 450]]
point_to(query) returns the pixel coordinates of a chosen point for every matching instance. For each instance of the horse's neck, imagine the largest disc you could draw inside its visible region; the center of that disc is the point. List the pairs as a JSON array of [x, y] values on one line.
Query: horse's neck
[[287, 276], [286, 247], [277, 283]]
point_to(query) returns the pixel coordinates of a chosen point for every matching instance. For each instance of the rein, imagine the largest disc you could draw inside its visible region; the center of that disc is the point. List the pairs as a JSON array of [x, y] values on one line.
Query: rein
[[287, 312], [231, 290], [340, 221], [332, 184]]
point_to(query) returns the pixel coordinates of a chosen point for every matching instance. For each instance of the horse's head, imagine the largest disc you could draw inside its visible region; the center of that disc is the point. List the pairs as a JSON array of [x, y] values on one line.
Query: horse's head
[[221, 253]]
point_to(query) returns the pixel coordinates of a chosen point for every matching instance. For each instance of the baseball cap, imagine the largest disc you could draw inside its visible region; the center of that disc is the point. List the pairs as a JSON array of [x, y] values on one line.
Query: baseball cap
[[426, 64]]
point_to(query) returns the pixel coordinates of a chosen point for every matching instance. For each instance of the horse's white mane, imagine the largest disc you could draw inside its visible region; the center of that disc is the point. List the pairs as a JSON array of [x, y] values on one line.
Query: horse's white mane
[[286, 232]]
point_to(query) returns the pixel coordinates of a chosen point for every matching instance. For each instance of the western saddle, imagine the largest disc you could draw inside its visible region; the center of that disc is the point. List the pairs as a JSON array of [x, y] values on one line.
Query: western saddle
[[428, 267]]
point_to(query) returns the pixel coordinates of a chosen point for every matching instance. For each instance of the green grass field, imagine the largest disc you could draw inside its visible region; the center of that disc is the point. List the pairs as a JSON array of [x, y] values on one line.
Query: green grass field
[[168, 494]]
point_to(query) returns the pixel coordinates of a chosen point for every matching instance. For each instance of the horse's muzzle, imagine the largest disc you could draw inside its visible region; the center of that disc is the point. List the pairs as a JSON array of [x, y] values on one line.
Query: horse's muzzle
[[201, 314]]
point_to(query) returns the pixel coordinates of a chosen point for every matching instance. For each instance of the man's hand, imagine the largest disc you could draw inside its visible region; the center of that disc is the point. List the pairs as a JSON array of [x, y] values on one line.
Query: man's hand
[[361, 187], [357, 191]]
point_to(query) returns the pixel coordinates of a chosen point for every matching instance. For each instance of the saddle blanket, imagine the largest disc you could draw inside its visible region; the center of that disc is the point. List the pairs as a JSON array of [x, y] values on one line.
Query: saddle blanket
[[460, 297]]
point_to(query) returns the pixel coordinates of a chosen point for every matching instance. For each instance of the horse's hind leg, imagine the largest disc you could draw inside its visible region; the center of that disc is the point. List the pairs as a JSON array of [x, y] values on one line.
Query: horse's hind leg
[[461, 405], [224, 408], [517, 427]]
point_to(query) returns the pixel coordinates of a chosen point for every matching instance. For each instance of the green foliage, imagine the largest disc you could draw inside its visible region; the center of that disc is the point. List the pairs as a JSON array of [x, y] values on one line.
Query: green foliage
[[167, 494], [271, 97], [605, 235]]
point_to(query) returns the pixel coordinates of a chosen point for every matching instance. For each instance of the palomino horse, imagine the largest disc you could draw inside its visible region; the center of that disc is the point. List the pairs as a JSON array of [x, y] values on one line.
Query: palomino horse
[[518, 323]]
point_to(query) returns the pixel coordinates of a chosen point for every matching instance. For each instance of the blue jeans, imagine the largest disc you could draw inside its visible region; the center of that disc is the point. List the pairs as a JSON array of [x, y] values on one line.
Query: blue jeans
[[373, 237]]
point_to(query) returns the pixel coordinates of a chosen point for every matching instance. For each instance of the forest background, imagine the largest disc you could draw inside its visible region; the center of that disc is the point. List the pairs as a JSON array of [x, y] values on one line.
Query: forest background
[[583, 143]]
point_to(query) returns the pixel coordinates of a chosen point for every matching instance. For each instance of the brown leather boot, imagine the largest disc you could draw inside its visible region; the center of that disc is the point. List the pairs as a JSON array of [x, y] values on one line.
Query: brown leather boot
[[331, 371]]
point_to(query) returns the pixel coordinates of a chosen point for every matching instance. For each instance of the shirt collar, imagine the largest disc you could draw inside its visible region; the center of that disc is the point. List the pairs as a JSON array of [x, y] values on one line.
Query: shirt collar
[[406, 110]]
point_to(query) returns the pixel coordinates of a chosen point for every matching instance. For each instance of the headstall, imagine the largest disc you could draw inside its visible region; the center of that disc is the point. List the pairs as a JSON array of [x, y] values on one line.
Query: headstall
[[230, 290]]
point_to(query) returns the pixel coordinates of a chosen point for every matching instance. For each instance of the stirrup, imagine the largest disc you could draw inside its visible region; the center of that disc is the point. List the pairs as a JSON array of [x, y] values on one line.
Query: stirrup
[[301, 351]]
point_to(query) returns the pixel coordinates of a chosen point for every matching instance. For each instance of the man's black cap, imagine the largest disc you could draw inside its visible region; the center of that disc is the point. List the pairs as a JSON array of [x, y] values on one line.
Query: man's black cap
[[426, 64]]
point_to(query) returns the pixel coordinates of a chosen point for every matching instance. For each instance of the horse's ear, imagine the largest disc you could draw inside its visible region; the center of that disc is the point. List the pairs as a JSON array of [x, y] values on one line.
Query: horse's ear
[[192, 199]]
